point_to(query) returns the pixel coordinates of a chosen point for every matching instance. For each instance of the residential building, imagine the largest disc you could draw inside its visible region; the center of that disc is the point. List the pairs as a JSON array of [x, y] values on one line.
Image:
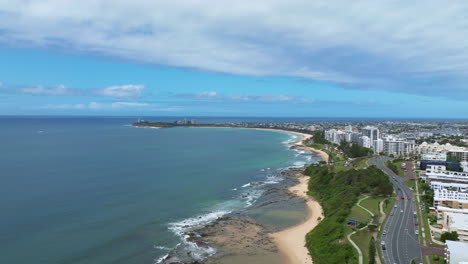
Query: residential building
[[458, 223], [378, 146], [456, 252], [452, 195], [397, 146], [434, 156], [371, 132], [441, 174]]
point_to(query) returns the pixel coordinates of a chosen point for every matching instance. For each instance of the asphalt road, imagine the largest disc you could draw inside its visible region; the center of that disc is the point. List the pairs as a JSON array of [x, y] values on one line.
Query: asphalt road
[[401, 242]]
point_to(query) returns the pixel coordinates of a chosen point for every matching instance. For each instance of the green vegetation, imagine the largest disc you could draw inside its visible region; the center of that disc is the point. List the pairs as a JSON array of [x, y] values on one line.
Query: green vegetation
[[318, 137], [153, 124], [337, 193], [395, 166], [372, 251], [354, 150], [357, 213], [449, 236]]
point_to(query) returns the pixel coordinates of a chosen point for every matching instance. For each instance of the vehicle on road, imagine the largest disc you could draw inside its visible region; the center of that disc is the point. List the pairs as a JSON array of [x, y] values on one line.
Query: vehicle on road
[[401, 211], [384, 232], [402, 197], [383, 245], [396, 206], [416, 232]]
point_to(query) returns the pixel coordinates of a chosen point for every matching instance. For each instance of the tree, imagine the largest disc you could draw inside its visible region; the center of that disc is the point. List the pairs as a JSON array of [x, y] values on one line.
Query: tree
[[449, 236], [372, 251]]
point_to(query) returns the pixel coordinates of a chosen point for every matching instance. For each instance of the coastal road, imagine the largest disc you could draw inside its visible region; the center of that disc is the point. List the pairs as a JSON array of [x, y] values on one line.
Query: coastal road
[[401, 242]]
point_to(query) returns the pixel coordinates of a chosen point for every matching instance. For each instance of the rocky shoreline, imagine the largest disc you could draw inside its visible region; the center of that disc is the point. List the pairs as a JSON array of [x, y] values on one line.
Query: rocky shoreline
[[238, 237]]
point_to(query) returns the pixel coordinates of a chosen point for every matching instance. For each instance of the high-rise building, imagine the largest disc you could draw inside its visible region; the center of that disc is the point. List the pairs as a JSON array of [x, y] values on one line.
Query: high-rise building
[[371, 132]]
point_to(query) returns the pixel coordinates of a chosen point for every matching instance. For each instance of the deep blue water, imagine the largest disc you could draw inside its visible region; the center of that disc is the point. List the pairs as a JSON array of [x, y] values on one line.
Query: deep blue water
[[95, 190]]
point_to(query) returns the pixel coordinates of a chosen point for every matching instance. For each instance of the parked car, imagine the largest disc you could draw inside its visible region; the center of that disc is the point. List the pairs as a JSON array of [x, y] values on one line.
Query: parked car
[[401, 211], [384, 232]]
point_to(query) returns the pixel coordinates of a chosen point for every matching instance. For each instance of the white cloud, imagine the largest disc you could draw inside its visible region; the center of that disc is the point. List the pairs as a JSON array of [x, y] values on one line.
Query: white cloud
[[121, 91], [391, 45], [212, 95], [59, 90], [129, 91], [100, 106]]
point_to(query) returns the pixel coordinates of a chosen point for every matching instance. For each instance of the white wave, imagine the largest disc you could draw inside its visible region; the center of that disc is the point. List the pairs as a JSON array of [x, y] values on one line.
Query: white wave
[[246, 185], [189, 223], [234, 189], [159, 260], [262, 170], [162, 247]]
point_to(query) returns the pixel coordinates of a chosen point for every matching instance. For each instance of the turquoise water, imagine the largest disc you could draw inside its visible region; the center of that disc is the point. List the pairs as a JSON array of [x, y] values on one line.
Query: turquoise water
[[95, 190]]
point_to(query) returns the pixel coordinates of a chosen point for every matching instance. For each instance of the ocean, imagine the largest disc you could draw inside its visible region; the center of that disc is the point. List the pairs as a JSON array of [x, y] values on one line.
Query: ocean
[[96, 190]]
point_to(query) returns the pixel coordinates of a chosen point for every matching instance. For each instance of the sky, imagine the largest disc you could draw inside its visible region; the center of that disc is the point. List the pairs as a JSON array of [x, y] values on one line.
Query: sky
[[320, 58]]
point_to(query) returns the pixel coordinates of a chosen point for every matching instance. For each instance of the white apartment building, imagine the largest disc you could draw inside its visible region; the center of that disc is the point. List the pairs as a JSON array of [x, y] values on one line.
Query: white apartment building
[[458, 223], [365, 142], [434, 156], [455, 151], [441, 174], [378, 146], [371, 132], [456, 252], [453, 195], [397, 146]]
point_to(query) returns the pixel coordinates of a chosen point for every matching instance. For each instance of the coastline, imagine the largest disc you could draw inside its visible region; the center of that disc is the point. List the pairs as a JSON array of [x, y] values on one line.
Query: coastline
[[291, 241], [297, 145]]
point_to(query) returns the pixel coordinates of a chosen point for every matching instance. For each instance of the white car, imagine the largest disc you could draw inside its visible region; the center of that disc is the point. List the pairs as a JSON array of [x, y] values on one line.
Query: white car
[[401, 211], [384, 232], [416, 232]]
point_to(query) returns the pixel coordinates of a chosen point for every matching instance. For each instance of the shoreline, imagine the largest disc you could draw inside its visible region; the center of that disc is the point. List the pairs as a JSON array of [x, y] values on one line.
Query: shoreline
[[291, 241], [297, 145]]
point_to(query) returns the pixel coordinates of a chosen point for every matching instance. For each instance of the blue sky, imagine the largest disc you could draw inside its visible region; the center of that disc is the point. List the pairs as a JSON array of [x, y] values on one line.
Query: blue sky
[[268, 58]]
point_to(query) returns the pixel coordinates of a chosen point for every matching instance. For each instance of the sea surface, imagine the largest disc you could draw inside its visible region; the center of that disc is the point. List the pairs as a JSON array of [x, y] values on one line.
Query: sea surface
[[96, 190]]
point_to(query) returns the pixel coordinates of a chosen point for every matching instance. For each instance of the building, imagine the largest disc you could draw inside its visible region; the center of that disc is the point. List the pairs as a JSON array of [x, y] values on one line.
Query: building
[[441, 174], [452, 195], [451, 150], [456, 252], [371, 132], [397, 146], [365, 142], [452, 165], [458, 223], [378, 146], [434, 156], [461, 154]]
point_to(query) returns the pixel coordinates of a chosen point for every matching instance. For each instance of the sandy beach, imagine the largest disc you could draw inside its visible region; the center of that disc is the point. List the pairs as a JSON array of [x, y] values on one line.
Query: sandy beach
[[300, 144], [291, 241]]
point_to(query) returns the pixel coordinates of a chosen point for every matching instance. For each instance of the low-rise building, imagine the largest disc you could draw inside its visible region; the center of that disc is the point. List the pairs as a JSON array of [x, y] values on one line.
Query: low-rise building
[[458, 223], [452, 195], [456, 252], [434, 156], [441, 174]]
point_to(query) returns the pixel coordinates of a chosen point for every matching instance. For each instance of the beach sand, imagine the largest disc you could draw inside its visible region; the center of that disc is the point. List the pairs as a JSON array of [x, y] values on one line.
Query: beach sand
[[291, 241], [300, 144]]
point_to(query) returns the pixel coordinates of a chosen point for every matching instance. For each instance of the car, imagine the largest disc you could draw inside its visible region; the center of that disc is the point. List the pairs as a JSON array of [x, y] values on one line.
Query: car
[[416, 232], [396, 206], [384, 232], [402, 197], [401, 211], [399, 189]]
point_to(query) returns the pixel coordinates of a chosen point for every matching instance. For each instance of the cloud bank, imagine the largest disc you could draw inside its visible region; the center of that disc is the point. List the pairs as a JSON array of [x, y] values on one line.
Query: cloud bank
[[416, 47], [129, 91]]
